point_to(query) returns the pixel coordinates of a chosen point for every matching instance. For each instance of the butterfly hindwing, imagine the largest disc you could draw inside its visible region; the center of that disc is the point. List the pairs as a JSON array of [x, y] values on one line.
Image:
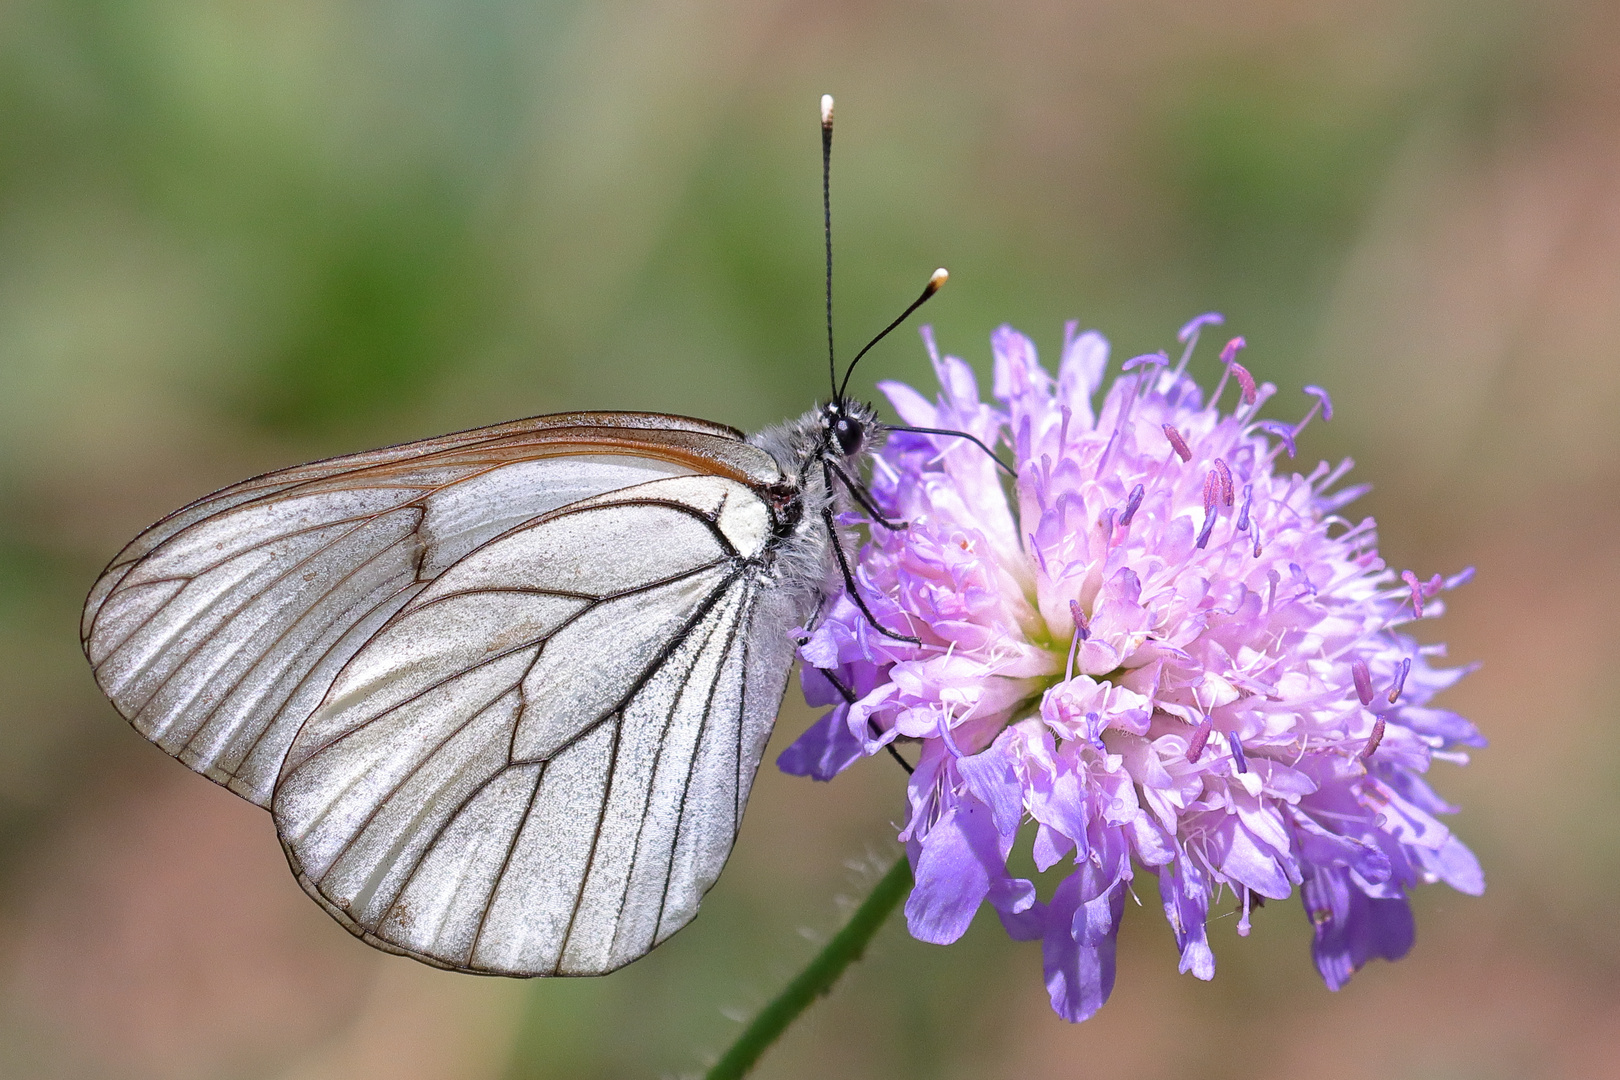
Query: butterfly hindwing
[[539, 765]]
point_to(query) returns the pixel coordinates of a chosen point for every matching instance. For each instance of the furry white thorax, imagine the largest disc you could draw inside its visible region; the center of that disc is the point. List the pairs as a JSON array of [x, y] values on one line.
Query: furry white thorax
[[805, 568]]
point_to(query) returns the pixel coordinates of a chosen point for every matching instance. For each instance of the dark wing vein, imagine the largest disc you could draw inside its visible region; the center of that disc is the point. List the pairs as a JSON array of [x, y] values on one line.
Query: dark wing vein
[[652, 781], [496, 656], [243, 601], [275, 643], [697, 747]]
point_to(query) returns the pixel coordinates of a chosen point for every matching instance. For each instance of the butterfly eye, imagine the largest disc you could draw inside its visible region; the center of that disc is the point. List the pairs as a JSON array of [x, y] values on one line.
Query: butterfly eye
[[850, 434]]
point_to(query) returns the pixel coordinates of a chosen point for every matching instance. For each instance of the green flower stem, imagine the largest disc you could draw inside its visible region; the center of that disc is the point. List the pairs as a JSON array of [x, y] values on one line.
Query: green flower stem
[[817, 979]]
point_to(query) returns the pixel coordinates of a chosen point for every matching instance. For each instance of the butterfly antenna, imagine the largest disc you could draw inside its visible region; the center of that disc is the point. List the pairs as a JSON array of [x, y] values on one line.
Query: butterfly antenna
[[826, 223], [935, 283]]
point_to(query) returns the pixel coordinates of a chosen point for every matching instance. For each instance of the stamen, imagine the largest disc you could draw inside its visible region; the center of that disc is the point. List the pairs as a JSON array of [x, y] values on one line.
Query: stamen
[[1195, 748], [1226, 481], [1230, 350], [1245, 380], [1363, 679], [1243, 518], [1188, 336], [1081, 631], [1158, 359], [1321, 396], [1208, 318], [1212, 492], [1400, 679], [1131, 504], [1237, 751], [1148, 380], [1461, 577], [1183, 451], [1257, 541], [1082, 626], [1416, 586], [1209, 527], [947, 737], [1283, 431], [1374, 739]]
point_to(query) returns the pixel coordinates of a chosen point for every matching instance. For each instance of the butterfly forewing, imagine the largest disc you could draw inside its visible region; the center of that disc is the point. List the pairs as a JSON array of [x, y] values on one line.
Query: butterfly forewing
[[539, 765], [218, 630]]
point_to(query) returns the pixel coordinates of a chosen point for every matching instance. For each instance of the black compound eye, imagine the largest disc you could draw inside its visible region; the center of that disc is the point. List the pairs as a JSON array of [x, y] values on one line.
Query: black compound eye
[[850, 435]]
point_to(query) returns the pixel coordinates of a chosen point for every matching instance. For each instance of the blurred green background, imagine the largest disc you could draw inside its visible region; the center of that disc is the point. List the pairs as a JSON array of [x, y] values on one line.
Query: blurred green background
[[235, 236]]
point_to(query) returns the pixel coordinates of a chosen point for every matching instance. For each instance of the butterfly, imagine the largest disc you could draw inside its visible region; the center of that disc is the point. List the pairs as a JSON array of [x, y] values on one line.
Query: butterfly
[[505, 691]]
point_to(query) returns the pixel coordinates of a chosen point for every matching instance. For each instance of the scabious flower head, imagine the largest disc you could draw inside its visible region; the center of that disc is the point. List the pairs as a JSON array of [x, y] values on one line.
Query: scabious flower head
[[1166, 650]]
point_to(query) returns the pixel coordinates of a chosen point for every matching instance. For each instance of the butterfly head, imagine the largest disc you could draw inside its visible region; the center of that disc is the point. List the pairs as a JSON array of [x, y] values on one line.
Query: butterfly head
[[848, 429]]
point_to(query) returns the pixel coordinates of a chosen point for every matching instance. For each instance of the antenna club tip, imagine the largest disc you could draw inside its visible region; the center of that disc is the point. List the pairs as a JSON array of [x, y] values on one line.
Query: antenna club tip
[[938, 280], [826, 110]]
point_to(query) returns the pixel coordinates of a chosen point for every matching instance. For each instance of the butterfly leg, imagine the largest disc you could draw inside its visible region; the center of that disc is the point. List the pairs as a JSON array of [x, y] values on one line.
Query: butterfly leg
[[862, 496], [849, 697], [849, 582]]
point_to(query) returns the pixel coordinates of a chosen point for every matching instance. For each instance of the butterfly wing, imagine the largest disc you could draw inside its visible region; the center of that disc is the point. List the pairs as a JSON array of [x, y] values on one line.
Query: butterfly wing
[[539, 765], [217, 631]]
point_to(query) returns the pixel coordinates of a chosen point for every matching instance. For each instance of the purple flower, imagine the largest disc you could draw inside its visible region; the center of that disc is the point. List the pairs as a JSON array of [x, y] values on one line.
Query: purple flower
[[1166, 652]]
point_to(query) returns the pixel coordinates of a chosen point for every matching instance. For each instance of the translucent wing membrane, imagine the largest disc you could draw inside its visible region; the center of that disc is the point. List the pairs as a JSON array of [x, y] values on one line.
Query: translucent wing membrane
[[218, 630], [539, 766], [504, 692]]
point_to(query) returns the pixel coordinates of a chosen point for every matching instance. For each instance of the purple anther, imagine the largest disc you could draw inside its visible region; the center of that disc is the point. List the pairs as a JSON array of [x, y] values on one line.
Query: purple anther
[[1237, 751], [1416, 586], [1400, 679], [1245, 380], [1081, 626], [1248, 496], [1081, 632], [1374, 739], [1208, 318], [1183, 451], [1283, 431], [1322, 395], [1432, 587], [1131, 504], [1226, 481], [1195, 748], [1363, 678], [1231, 349], [1209, 527], [1212, 489], [1158, 359]]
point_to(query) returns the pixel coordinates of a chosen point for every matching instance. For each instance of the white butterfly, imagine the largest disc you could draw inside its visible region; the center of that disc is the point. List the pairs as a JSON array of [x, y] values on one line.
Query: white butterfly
[[504, 691]]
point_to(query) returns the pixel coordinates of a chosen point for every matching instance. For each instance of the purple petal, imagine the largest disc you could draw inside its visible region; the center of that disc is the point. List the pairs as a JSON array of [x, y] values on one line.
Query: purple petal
[[1080, 372], [1079, 978], [825, 749], [959, 856], [1352, 927], [1185, 891], [991, 777]]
